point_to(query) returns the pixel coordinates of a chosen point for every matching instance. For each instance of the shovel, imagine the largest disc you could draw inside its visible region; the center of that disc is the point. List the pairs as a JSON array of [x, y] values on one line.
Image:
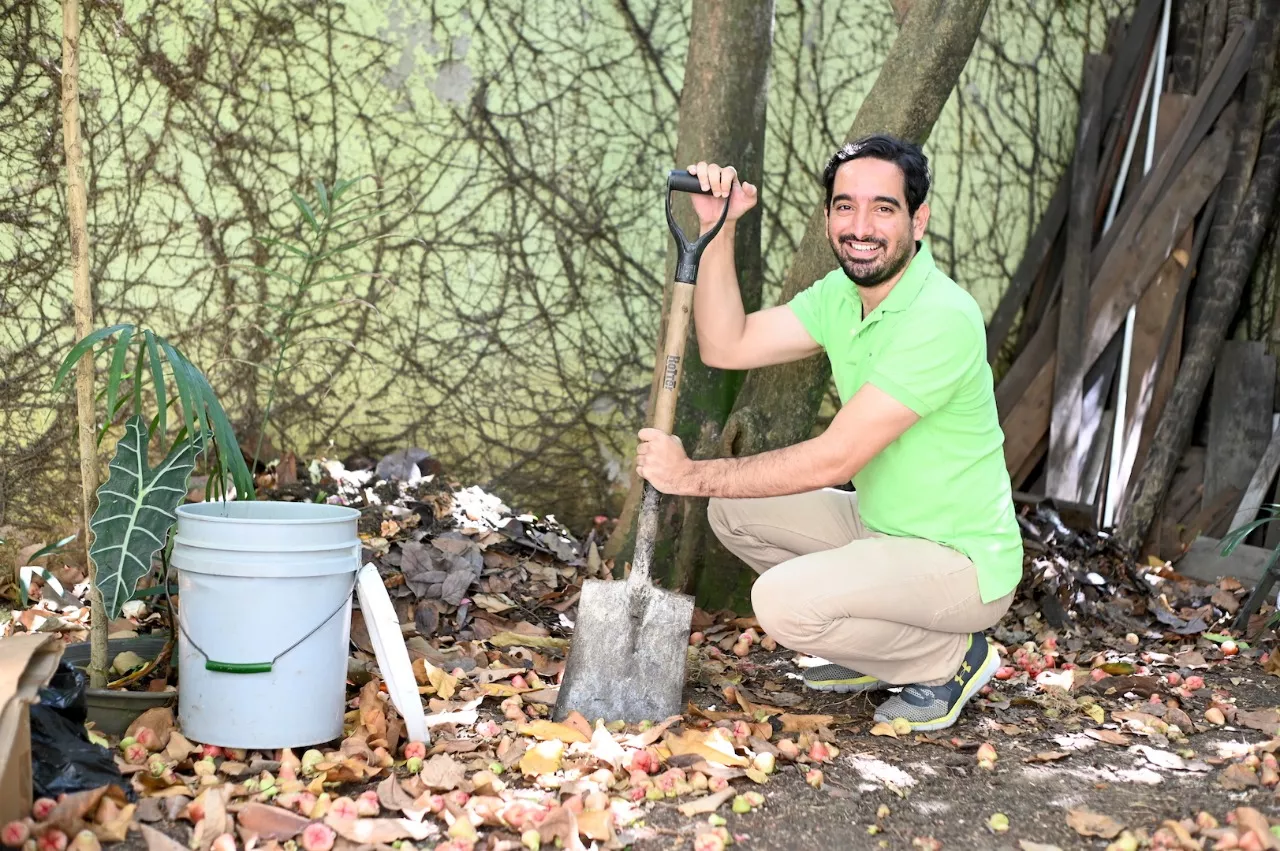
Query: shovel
[[630, 642]]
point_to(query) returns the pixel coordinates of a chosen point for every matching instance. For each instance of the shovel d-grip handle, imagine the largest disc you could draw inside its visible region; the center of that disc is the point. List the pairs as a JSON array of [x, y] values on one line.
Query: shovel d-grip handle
[[690, 252], [677, 330]]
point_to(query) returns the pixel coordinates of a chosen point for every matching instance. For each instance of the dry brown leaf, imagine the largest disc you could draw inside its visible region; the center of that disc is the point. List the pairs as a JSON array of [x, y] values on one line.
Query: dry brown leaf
[[372, 831], [1191, 659], [1088, 823], [1250, 820], [712, 745], [597, 825], [511, 750], [648, 737], [577, 721], [1237, 777], [179, 748], [515, 639], [112, 821], [392, 796], [547, 730], [443, 772], [560, 824], [804, 723], [542, 758], [1264, 720], [158, 841], [714, 716], [159, 719], [268, 822], [707, 804], [215, 821], [1111, 737], [79, 807], [1047, 756]]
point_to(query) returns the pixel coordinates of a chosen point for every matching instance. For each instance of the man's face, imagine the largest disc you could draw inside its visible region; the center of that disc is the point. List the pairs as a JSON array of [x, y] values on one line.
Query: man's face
[[871, 232]]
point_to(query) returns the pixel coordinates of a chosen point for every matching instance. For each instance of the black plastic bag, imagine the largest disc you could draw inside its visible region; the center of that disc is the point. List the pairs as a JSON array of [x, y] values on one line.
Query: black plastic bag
[[62, 757]]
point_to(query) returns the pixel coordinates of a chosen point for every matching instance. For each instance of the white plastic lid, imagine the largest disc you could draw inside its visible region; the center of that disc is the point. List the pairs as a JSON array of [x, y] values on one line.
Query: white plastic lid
[[393, 656]]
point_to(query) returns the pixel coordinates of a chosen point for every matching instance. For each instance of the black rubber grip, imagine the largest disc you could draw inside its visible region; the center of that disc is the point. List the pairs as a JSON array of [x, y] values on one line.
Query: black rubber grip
[[682, 181]]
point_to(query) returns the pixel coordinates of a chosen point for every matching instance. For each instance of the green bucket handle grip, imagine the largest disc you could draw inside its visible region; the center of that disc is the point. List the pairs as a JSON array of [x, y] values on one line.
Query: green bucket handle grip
[[251, 667], [238, 667]]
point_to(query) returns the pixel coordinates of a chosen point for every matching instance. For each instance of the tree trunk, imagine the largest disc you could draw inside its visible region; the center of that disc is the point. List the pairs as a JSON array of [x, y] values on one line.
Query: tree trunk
[[722, 120], [1204, 341], [777, 406], [77, 216]]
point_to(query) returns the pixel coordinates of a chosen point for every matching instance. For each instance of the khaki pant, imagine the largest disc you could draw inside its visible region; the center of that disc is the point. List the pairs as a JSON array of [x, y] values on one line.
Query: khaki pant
[[898, 609]]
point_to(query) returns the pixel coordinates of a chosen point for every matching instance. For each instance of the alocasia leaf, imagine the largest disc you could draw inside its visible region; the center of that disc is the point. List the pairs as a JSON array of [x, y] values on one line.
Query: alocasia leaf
[[136, 507]]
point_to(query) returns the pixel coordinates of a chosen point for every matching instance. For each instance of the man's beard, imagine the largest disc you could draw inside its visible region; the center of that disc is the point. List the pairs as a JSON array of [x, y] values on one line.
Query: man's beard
[[876, 270]]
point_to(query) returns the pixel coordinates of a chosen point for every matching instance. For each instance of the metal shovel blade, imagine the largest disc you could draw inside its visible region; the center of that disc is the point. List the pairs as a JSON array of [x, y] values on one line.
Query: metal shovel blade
[[627, 660]]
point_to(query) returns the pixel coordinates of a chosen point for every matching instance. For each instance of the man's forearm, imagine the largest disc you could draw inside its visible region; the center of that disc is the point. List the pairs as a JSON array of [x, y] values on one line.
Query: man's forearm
[[718, 314], [793, 469]]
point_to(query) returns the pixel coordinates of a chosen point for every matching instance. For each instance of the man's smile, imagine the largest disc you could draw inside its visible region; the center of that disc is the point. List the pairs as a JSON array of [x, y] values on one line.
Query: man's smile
[[860, 250]]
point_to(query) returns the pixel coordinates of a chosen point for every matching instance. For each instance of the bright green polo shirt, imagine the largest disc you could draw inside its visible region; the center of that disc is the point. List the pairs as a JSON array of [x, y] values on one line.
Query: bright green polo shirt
[[944, 479]]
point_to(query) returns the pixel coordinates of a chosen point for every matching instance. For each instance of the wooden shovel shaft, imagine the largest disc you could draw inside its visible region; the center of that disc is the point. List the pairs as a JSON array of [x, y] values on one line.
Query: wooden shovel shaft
[[664, 419]]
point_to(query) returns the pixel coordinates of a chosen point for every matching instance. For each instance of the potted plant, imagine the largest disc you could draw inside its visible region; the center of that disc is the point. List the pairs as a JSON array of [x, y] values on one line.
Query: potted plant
[[137, 504]]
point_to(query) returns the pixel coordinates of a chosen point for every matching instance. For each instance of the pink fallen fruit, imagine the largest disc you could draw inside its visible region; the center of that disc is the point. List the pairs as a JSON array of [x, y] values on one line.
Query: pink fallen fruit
[[1005, 672], [1174, 679], [224, 842], [412, 749], [644, 760], [148, 739], [136, 754], [211, 751], [367, 803], [819, 752], [814, 778], [717, 784], [696, 638], [1098, 674], [344, 808], [1195, 683], [518, 681], [317, 836], [742, 649], [42, 807], [52, 840], [15, 833], [708, 842], [487, 729]]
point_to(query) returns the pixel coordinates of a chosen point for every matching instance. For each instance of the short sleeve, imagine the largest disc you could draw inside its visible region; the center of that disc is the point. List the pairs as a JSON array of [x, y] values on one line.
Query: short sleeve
[[807, 305], [927, 360]]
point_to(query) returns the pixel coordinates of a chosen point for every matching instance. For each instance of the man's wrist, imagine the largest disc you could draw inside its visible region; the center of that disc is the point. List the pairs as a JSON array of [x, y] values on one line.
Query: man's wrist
[[730, 228]]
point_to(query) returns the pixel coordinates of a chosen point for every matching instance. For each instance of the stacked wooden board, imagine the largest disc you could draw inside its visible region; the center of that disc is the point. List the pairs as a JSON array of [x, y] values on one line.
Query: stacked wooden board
[[1121, 304]]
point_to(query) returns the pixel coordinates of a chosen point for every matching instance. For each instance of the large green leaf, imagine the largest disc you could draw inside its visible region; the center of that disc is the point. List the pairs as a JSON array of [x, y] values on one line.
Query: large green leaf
[[136, 507]]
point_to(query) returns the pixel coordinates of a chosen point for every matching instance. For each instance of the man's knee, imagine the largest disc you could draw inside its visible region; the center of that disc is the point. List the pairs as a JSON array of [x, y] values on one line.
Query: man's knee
[[769, 605], [718, 518]]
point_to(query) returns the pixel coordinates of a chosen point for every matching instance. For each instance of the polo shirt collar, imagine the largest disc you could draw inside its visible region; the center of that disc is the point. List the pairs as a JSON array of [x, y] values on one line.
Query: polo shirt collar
[[908, 287]]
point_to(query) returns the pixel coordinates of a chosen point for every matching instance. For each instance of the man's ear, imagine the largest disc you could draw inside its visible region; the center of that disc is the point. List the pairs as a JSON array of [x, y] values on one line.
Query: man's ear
[[919, 222]]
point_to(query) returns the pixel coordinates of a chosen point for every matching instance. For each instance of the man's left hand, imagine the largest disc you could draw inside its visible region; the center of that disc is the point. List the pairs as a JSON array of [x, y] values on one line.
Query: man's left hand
[[661, 460]]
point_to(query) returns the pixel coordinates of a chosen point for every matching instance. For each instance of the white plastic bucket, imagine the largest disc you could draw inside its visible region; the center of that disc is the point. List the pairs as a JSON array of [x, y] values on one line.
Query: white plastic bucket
[[265, 620]]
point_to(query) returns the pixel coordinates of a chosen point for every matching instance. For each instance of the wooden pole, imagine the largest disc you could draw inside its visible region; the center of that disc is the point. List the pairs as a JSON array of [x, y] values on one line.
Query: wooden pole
[[77, 217]]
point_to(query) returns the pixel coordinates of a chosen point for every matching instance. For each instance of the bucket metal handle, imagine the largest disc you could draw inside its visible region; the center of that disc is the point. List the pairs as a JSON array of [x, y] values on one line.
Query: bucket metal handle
[[249, 667]]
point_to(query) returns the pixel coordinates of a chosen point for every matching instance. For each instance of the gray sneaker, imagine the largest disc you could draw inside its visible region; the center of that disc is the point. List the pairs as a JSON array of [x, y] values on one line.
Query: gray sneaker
[[937, 707], [841, 679]]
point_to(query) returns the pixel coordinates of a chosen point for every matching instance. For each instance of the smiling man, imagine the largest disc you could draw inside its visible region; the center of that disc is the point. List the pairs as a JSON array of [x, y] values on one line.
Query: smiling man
[[893, 584]]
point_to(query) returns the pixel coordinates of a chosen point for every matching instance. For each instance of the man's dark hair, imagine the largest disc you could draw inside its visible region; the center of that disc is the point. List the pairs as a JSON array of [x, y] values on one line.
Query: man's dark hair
[[905, 155]]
